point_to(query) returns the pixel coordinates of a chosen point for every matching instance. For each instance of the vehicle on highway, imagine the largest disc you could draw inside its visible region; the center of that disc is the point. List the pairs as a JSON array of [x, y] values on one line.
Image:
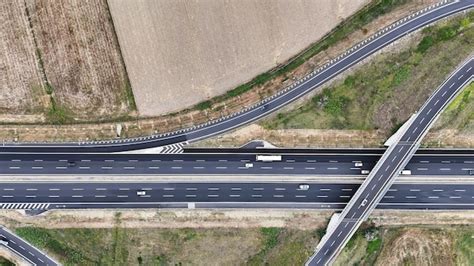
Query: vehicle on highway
[[303, 186], [3, 241], [71, 163], [141, 193], [471, 172], [358, 164], [406, 172], [363, 202], [249, 165], [268, 158], [365, 172]]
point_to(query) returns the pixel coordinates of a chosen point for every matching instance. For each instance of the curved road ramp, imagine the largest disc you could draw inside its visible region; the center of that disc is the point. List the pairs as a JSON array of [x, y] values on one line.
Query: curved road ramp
[[390, 166], [24, 250], [270, 104]]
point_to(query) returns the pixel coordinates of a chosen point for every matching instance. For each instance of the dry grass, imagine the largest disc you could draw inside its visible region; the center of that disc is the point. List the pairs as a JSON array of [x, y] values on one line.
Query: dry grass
[[21, 86], [417, 246], [81, 57]]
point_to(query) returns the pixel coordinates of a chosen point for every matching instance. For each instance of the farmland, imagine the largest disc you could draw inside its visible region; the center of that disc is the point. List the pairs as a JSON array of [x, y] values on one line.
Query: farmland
[[21, 86], [179, 53], [62, 63]]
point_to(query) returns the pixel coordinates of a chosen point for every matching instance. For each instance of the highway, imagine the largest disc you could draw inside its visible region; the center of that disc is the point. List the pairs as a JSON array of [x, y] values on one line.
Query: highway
[[25, 250], [325, 195], [436, 164], [389, 166], [250, 114]]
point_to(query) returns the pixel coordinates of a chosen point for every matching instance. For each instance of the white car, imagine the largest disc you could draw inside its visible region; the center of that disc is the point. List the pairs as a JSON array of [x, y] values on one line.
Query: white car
[[358, 164], [249, 165], [141, 193], [363, 202], [3, 241], [303, 187]]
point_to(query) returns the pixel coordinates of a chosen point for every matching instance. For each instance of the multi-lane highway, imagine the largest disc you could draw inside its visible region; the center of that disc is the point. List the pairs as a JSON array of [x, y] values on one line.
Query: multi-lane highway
[[24, 249], [330, 163], [389, 166], [59, 195], [247, 115]]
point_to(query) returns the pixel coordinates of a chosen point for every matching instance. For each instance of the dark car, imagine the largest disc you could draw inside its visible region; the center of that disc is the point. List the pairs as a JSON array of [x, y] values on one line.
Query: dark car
[[71, 163]]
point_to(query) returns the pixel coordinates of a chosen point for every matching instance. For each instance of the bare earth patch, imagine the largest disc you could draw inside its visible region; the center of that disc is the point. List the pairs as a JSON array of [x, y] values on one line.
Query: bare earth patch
[[179, 53]]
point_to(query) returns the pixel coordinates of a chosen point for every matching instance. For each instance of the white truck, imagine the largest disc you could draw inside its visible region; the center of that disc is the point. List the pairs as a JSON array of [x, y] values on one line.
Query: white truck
[[268, 158], [406, 172]]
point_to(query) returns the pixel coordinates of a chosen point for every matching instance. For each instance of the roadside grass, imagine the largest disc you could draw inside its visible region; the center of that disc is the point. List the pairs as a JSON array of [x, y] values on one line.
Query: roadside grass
[[57, 114], [386, 91], [359, 250], [354, 23], [464, 247], [460, 113], [5, 262], [284, 246], [232, 246]]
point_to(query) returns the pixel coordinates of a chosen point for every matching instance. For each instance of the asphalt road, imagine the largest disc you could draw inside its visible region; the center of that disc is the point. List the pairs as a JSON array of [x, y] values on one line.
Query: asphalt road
[[267, 106], [25, 250], [389, 166], [236, 194], [222, 164]]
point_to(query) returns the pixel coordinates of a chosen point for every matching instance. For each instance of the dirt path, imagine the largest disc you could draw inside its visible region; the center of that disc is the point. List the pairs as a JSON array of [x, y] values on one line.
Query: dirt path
[[242, 218]]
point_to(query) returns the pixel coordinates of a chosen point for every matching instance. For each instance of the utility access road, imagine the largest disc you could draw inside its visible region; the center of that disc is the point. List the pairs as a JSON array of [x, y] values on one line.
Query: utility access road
[[389, 166], [250, 114]]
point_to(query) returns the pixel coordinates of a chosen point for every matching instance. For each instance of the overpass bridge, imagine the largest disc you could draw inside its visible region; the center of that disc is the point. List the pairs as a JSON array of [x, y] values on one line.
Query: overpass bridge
[[389, 166]]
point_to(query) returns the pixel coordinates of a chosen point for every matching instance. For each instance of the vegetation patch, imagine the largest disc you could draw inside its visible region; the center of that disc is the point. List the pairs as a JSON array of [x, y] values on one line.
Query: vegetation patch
[[383, 94]]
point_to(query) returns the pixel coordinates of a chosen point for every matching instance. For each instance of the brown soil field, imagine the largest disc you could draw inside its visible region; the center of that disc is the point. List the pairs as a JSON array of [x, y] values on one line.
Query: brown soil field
[[21, 86], [179, 53], [81, 57]]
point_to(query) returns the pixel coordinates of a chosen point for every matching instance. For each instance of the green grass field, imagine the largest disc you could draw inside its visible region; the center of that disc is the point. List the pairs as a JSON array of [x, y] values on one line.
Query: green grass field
[[251, 246]]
